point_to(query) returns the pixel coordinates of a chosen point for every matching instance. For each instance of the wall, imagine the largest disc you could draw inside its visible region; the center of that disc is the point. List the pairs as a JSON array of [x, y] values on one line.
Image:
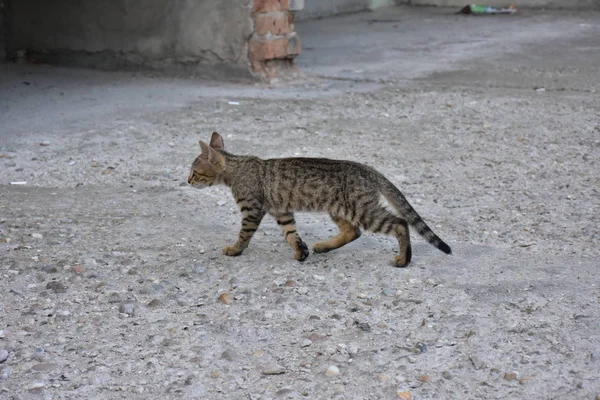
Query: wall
[[327, 8], [153, 33]]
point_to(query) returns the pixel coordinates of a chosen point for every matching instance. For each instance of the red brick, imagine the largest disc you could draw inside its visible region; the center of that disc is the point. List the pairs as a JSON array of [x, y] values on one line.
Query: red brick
[[269, 49], [276, 23], [270, 5], [259, 50]]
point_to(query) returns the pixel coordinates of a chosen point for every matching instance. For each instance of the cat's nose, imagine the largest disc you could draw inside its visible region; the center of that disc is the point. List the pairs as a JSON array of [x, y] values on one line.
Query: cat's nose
[[190, 179]]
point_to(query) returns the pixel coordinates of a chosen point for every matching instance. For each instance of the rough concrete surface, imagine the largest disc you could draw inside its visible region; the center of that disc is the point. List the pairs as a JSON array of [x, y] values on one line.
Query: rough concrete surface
[[112, 281], [559, 4], [155, 34]]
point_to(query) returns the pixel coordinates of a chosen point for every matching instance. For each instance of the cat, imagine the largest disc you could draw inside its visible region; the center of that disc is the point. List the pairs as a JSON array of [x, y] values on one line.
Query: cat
[[355, 196]]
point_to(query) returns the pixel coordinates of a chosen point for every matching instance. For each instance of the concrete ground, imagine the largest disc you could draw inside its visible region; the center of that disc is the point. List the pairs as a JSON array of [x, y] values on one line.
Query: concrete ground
[[112, 281]]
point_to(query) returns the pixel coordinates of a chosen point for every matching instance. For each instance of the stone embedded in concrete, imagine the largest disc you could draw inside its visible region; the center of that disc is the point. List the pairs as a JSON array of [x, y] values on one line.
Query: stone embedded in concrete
[[270, 5], [275, 23]]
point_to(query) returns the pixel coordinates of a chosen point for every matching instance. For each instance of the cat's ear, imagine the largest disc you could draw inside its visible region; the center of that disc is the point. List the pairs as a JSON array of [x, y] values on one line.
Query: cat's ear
[[216, 141], [205, 150], [216, 159], [212, 156]]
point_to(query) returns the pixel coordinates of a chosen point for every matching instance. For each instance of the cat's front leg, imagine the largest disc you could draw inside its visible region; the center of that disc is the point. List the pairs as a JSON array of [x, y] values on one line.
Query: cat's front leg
[[250, 223]]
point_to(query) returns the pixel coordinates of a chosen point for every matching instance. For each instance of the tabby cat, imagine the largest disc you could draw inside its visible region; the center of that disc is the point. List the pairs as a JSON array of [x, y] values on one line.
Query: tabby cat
[[355, 196]]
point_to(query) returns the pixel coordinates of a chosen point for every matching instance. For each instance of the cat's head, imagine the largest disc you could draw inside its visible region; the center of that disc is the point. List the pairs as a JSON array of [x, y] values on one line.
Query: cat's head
[[208, 167]]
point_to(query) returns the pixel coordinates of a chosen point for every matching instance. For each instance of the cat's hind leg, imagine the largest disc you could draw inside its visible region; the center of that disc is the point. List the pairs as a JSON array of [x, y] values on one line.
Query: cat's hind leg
[[348, 233], [288, 227], [382, 221]]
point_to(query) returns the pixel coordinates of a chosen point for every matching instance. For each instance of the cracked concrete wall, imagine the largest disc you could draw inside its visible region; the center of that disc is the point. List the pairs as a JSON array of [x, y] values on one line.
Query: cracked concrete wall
[[155, 33]]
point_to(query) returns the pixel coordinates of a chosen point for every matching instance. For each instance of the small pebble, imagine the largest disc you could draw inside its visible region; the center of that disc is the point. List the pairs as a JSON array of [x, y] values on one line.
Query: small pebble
[[424, 378], [5, 373], [44, 367], [404, 395], [226, 298], [154, 303], [352, 349], [78, 269], [365, 326], [317, 337], [221, 203], [114, 298], [37, 236], [50, 269], [477, 362], [332, 370], [3, 355], [289, 283], [422, 347], [284, 392], [258, 353], [306, 343], [446, 375], [45, 143], [228, 355], [273, 369], [36, 387], [525, 379], [56, 287], [431, 282], [127, 307], [511, 376]]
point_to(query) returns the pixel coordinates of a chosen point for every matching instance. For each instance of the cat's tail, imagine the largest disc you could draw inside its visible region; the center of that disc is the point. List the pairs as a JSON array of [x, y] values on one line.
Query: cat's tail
[[397, 200]]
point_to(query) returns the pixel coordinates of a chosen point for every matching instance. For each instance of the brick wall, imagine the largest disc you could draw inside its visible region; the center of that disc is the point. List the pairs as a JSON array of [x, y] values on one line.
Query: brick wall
[[274, 43]]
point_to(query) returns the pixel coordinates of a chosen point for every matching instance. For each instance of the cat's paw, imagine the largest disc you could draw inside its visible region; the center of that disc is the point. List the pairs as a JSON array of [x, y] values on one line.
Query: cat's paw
[[400, 262], [302, 251], [321, 247], [232, 251]]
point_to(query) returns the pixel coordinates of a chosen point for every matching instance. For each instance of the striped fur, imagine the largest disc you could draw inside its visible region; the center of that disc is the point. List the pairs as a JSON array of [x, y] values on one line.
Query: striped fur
[[355, 196]]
